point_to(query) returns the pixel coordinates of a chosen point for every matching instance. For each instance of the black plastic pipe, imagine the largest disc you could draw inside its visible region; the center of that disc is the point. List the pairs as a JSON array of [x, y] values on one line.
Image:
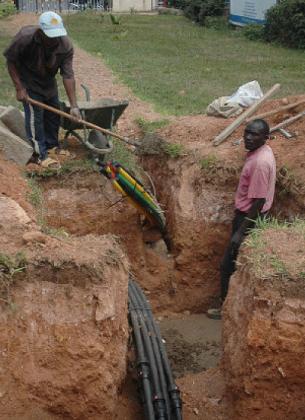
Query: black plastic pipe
[[142, 365], [156, 349], [158, 400], [173, 390]]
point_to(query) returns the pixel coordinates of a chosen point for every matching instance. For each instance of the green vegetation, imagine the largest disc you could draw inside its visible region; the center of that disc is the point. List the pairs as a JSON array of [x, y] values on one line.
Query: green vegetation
[[10, 266], [115, 20], [199, 10], [7, 8], [174, 150], [124, 155], [35, 197], [253, 32], [7, 91], [57, 232], [208, 162], [285, 23], [268, 256], [178, 66], [68, 167], [181, 67], [149, 127]]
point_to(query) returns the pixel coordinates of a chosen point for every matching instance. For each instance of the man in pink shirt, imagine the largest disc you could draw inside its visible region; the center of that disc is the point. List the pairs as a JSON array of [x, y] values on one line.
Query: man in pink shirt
[[253, 198]]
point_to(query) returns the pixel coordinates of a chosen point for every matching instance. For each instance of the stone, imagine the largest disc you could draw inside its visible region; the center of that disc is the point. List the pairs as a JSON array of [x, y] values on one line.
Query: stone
[[12, 213], [34, 236], [13, 119], [14, 147]]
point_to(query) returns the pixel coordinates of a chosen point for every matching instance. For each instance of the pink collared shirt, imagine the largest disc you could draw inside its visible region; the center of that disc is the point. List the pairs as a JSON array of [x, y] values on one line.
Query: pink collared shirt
[[257, 179]]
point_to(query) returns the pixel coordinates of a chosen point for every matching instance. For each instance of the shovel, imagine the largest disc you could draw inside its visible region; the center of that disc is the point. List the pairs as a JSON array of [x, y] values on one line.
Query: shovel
[[81, 121]]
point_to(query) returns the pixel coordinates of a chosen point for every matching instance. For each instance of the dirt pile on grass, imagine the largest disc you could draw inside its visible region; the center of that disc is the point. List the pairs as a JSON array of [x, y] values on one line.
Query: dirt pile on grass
[[264, 334], [63, 305]]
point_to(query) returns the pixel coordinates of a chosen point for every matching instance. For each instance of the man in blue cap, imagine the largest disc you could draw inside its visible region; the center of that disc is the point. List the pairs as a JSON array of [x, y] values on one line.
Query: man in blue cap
[[33, 59]]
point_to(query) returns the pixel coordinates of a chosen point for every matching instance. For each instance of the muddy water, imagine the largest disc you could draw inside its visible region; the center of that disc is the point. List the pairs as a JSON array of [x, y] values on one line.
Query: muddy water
[[192, 343]]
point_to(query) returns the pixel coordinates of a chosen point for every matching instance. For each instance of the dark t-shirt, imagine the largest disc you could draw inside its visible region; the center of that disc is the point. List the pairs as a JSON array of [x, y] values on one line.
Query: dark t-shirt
[[36, 65]]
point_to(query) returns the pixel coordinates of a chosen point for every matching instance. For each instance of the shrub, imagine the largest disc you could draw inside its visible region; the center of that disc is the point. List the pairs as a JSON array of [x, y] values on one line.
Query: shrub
[[254, 32], [199, 10], [7, 8], [285, 23], [174, 150]]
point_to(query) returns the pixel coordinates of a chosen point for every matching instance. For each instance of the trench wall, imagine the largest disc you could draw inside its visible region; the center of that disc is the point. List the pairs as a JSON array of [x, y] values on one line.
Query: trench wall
[[63, 322], [264, 331]]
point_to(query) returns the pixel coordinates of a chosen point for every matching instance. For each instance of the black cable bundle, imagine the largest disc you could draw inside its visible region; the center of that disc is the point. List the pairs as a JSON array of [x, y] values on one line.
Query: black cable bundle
[[161, 395]]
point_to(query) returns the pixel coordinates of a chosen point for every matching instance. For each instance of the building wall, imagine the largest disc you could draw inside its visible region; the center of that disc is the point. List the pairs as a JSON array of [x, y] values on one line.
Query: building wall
[[137, 5]]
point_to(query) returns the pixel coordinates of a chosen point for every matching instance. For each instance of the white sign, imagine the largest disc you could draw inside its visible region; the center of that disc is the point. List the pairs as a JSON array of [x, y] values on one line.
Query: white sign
[[243, 12]]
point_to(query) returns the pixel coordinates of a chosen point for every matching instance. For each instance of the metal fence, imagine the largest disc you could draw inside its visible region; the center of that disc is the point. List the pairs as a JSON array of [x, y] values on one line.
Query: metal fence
[[40, 6]]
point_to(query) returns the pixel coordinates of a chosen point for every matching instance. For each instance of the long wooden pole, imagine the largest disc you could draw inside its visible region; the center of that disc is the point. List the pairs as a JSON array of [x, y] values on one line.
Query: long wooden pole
[[235, 124], [287, 122], [81, 121], [276, 111], [284, 123]]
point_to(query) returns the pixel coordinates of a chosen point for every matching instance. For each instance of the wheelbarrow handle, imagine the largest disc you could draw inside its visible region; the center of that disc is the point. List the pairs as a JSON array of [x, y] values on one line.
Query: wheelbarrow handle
[[80, 121]]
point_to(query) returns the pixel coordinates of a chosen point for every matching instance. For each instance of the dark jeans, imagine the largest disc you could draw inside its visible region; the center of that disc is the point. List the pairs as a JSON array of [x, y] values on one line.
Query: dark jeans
[[41, 126], [228, 263]]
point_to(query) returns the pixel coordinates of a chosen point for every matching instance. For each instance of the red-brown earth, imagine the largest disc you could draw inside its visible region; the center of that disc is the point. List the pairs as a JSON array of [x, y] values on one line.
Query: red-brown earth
[[196, 191]]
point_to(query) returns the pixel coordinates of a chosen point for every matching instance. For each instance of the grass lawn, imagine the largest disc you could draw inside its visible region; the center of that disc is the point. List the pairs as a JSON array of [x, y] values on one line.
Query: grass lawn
[[181, 67], [7, 90], [176, 65]]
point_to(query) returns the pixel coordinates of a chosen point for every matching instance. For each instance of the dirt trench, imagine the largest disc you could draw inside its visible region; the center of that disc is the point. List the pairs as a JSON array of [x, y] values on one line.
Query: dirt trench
[[86, 222], [195, 187], [198, 201]]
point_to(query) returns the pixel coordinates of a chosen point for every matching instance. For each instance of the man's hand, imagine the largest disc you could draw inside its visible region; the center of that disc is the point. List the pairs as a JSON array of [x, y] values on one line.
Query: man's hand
[[75, 112], [21, 95], [237, 239]]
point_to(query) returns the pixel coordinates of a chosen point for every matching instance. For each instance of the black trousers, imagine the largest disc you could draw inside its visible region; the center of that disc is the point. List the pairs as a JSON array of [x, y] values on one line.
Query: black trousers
[[228, 263], [41, 126]]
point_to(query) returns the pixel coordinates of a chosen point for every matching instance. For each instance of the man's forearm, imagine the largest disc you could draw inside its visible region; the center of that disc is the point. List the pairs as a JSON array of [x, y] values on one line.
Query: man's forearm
[[12, 70], [21, 93], [69, 85]]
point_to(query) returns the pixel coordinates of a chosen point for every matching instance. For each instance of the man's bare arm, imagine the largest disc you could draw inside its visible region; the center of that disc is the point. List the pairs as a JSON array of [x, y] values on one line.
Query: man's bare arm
[[21, 94]]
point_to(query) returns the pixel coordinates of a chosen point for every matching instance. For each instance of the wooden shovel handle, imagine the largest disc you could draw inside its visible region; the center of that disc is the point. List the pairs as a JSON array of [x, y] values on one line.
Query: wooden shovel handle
[[80, 121]]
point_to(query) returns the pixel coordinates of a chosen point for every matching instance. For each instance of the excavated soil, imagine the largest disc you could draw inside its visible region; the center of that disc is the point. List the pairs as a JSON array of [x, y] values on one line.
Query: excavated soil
[[263, 333], [196, 189], [63, 329]]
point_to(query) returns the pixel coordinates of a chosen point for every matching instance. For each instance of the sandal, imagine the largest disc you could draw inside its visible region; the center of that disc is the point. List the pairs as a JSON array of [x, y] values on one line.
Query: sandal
[[50, 163]]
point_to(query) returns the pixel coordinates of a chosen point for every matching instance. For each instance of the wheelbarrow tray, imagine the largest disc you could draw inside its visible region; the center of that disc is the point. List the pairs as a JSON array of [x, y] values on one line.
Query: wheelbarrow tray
[[104, 113]]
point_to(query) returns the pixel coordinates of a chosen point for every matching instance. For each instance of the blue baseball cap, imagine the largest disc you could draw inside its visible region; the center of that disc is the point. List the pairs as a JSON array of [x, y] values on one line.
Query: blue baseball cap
[[51, 24]]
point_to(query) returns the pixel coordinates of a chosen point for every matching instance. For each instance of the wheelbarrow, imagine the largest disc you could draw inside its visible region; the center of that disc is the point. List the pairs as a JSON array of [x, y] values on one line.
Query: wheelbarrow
[[103, 113]]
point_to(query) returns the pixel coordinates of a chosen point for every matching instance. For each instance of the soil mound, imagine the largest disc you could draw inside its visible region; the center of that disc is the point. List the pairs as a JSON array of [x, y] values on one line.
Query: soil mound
[[63, 305]]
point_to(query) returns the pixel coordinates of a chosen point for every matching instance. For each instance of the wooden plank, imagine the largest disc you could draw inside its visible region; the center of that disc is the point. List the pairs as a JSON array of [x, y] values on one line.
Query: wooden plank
[[284, 123], [287, 122], [239, 120], [276, 111]]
